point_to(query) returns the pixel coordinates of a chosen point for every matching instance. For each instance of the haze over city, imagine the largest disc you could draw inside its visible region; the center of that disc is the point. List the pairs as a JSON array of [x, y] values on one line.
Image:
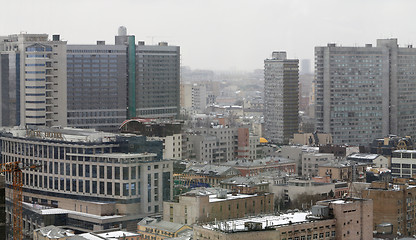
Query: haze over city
[[219, 35]]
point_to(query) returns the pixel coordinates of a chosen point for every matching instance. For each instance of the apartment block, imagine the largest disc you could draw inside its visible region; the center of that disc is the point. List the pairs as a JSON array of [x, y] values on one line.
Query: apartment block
[[364, 93]]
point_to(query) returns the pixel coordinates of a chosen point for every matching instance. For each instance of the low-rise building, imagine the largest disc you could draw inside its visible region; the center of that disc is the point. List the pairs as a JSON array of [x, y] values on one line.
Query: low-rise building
[[377, 160], [311, 161], [393, 205], [205, 205], [343, 171], [403, 163], [295, 188], [386, 146], [206, 175], [167, 131], [245, 184], [157, 229], [312, 139], [332, 219], [259, 166]]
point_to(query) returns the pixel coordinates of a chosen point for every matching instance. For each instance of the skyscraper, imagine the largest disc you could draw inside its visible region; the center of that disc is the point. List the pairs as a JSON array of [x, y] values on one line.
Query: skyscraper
[[33, 80], [281, 97], [108, 84], [97, 86], [363, 93]]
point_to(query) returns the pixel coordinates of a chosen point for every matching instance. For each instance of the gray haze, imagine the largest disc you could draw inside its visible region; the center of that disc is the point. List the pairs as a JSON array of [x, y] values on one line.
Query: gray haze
[[219, 34]]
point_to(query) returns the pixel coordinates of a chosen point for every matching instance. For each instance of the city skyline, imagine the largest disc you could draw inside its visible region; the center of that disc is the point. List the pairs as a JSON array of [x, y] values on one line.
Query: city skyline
[[241, 33]]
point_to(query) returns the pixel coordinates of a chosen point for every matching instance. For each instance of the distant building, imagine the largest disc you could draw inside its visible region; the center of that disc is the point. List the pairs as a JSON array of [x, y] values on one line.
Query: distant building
[[259, 166], [165, 130], [377, 160], [344, 171], [157, 229], [33, 80], [207, 175], [332, 219], [339, 150], [386, 146], [281, 98], [311, 139], [206, 205], [246, 185], [365, 92]]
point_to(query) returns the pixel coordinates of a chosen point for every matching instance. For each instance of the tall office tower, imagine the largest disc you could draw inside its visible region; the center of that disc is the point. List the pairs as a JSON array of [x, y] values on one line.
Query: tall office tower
[[108, 84], [281, 97], [363, 93], [157, 80], [33, 80], [97, 85]]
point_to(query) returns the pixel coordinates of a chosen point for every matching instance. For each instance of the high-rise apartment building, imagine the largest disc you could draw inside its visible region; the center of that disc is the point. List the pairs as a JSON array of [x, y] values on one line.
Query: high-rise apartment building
[[157, 80], [363, 92], [33, 80], [281, 97]]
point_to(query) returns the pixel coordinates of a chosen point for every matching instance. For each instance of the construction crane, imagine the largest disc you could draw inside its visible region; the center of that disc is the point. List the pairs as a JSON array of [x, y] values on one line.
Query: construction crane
[[15, 168]]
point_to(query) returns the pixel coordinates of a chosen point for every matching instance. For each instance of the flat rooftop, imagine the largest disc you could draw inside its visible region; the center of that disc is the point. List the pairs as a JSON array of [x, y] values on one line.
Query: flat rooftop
[[266, 221]]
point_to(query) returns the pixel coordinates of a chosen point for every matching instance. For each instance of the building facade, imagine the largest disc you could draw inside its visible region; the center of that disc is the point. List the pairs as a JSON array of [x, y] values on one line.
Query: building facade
[[33, 80], [402, 163], [281, 98], [88, 180], [401, 201], [97, 85], [206, 205], [332, 219], [362, 92]]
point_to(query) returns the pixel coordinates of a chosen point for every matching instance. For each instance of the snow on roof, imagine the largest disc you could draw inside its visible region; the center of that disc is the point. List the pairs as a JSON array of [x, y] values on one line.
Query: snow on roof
[[267, 220], [363, 156], [117, 234]]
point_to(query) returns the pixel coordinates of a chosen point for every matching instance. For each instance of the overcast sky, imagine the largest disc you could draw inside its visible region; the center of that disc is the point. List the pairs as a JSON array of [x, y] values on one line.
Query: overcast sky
[[219, 34]]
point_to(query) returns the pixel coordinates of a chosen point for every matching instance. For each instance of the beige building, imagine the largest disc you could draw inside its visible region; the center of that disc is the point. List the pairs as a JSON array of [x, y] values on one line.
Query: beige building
[[156, 229], [38, 66], [205, 205], [311, 139], [340, 219]]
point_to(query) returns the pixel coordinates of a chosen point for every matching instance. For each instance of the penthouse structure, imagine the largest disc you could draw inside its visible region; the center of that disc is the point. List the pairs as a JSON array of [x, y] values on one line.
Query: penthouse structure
[[364, 93], [32, 80], [88, 180]]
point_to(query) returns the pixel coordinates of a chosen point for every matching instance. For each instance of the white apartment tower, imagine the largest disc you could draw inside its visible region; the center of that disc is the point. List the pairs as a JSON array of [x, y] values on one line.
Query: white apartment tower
[[364, 93], [281, 97], [33, 80]]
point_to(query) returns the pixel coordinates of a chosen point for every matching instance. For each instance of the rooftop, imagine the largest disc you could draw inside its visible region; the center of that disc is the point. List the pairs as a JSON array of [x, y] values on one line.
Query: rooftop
[[368, 156], [266, 221], [63, 134], [53, 232], [161, 225]]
